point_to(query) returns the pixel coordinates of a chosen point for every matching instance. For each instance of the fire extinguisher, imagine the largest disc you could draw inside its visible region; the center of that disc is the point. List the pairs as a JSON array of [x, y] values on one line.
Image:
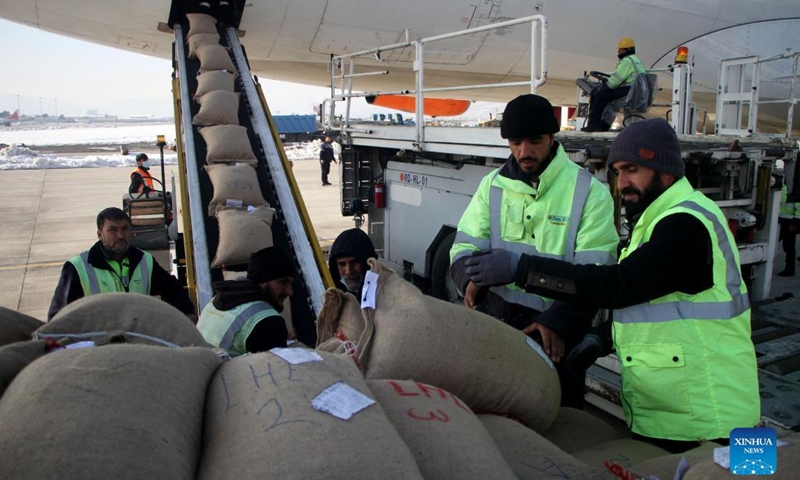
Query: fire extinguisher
[[380, 194]]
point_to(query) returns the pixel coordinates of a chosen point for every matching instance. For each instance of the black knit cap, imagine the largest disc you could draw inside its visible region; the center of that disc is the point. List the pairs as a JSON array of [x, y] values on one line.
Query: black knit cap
[[528, 116], [269, 264], [651, 143]]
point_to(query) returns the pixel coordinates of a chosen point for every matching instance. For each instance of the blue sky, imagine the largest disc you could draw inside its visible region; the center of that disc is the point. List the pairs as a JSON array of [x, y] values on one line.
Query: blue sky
[[52, 73]]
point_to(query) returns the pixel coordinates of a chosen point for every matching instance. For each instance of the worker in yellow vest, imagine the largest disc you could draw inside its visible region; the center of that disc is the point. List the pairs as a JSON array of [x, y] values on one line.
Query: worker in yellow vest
[[789, 221], [114, 265], [141, 180], [244, 315], [681, 323], [542, 203], [616, 86]]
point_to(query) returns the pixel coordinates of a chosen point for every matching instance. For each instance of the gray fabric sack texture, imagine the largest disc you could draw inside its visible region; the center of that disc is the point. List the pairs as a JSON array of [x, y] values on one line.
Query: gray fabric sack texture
[[122, 318], [119, 412], [486, 363], [444, 435], [260, 423]]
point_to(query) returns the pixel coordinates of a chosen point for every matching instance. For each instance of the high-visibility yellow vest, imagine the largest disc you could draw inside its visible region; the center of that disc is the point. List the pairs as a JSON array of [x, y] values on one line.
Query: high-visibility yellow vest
[[569, 217], [98, 280], [790, 209], [229, 329], [688, 364], [626, 71]]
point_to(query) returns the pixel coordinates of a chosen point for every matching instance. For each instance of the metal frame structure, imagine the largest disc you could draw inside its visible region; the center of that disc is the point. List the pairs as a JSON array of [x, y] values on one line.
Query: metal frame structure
[[345, 79], [738, 94]]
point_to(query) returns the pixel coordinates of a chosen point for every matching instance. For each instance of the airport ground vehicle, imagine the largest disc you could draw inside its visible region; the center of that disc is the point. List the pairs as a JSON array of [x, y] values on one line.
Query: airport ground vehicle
[[421, 179]]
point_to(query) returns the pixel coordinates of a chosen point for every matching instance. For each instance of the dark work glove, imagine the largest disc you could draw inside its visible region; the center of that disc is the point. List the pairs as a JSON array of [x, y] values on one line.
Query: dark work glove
[[492, 267]]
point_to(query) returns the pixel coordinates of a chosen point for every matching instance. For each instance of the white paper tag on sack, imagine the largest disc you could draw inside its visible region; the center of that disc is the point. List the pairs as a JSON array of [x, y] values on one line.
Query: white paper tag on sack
[[233, 203], [538, 349], [370, 290], [83, 344], [250, 208], [341, 400], [296, 356]]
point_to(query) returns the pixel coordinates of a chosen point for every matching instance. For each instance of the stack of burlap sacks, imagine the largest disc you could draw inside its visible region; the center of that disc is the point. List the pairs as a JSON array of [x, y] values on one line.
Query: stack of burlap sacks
[[244, 216], [414, 388]]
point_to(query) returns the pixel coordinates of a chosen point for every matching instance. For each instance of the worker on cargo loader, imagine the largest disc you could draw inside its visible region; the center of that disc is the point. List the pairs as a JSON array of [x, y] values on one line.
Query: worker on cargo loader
[[616, 86], [348, 260], [244, 316], [113, 265], [141, 180], [539, 202], [682, 317], [326, 156]]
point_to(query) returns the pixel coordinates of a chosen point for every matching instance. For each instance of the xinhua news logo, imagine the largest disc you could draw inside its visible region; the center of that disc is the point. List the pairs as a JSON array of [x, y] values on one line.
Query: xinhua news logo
[[753, 451]]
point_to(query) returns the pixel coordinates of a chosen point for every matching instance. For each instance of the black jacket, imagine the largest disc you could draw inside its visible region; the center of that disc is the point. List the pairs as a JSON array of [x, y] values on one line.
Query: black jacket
[[678, 257], [270, 332], [350, 243], [569, 320], [326, 152], [162, 283]]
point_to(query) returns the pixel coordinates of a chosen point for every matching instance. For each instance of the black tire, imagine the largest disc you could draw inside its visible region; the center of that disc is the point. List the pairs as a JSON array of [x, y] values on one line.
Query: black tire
[[442, 286]]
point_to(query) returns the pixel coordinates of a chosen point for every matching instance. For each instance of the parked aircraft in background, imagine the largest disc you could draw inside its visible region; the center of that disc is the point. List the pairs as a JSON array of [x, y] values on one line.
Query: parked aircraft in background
[[292, 40]]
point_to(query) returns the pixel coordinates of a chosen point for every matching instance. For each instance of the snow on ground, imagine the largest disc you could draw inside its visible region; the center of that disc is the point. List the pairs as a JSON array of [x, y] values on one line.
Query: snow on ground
[[17, 156]]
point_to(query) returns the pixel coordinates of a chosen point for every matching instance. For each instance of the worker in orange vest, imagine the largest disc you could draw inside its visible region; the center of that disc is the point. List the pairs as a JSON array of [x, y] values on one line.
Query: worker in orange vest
[[141, 180]]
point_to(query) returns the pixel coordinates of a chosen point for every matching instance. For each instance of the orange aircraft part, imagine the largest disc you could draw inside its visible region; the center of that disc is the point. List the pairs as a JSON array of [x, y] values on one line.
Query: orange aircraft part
[[434, 107]]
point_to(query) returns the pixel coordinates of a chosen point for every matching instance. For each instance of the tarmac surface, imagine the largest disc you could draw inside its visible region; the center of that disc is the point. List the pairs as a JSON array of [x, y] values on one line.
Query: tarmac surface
[[49, 216]]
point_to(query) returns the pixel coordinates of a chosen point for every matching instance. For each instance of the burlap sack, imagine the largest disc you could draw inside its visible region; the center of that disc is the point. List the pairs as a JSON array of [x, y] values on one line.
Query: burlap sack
[[341, 326], [213, 81], [531, 456], [623, 451], [121, 412], [444, 435], [217, 108], [488, 364], [227, 144], [786, 469], [15, 357], [666, 466], [15, 326], [234, 186], [575, 430], [201, 23], [260, 424], [214, 57], [122, 318], [201, 39], [242, 233]]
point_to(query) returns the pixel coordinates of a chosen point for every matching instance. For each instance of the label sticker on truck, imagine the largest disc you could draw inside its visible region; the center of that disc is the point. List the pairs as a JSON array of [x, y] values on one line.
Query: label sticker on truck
[[414, 179]]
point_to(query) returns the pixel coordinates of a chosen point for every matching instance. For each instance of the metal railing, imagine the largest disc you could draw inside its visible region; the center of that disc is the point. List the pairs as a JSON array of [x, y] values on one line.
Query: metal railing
[[739, 92], [538, 73]]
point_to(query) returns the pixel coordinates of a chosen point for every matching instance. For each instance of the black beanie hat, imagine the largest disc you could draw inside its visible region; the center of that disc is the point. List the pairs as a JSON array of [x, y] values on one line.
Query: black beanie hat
[[651, 143], [270, 264], [528, 116]]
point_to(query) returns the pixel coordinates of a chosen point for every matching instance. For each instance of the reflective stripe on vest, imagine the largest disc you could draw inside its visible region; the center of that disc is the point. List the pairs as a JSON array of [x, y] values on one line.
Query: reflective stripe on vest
[[139, 281], [514, 295], [677, 310], [229, 329]]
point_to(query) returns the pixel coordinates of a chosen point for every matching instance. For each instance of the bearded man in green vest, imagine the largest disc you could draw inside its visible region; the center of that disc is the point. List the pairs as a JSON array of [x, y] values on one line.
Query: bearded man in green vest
[[244, 315], [114, 265], [541, 203], [681, 320]]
